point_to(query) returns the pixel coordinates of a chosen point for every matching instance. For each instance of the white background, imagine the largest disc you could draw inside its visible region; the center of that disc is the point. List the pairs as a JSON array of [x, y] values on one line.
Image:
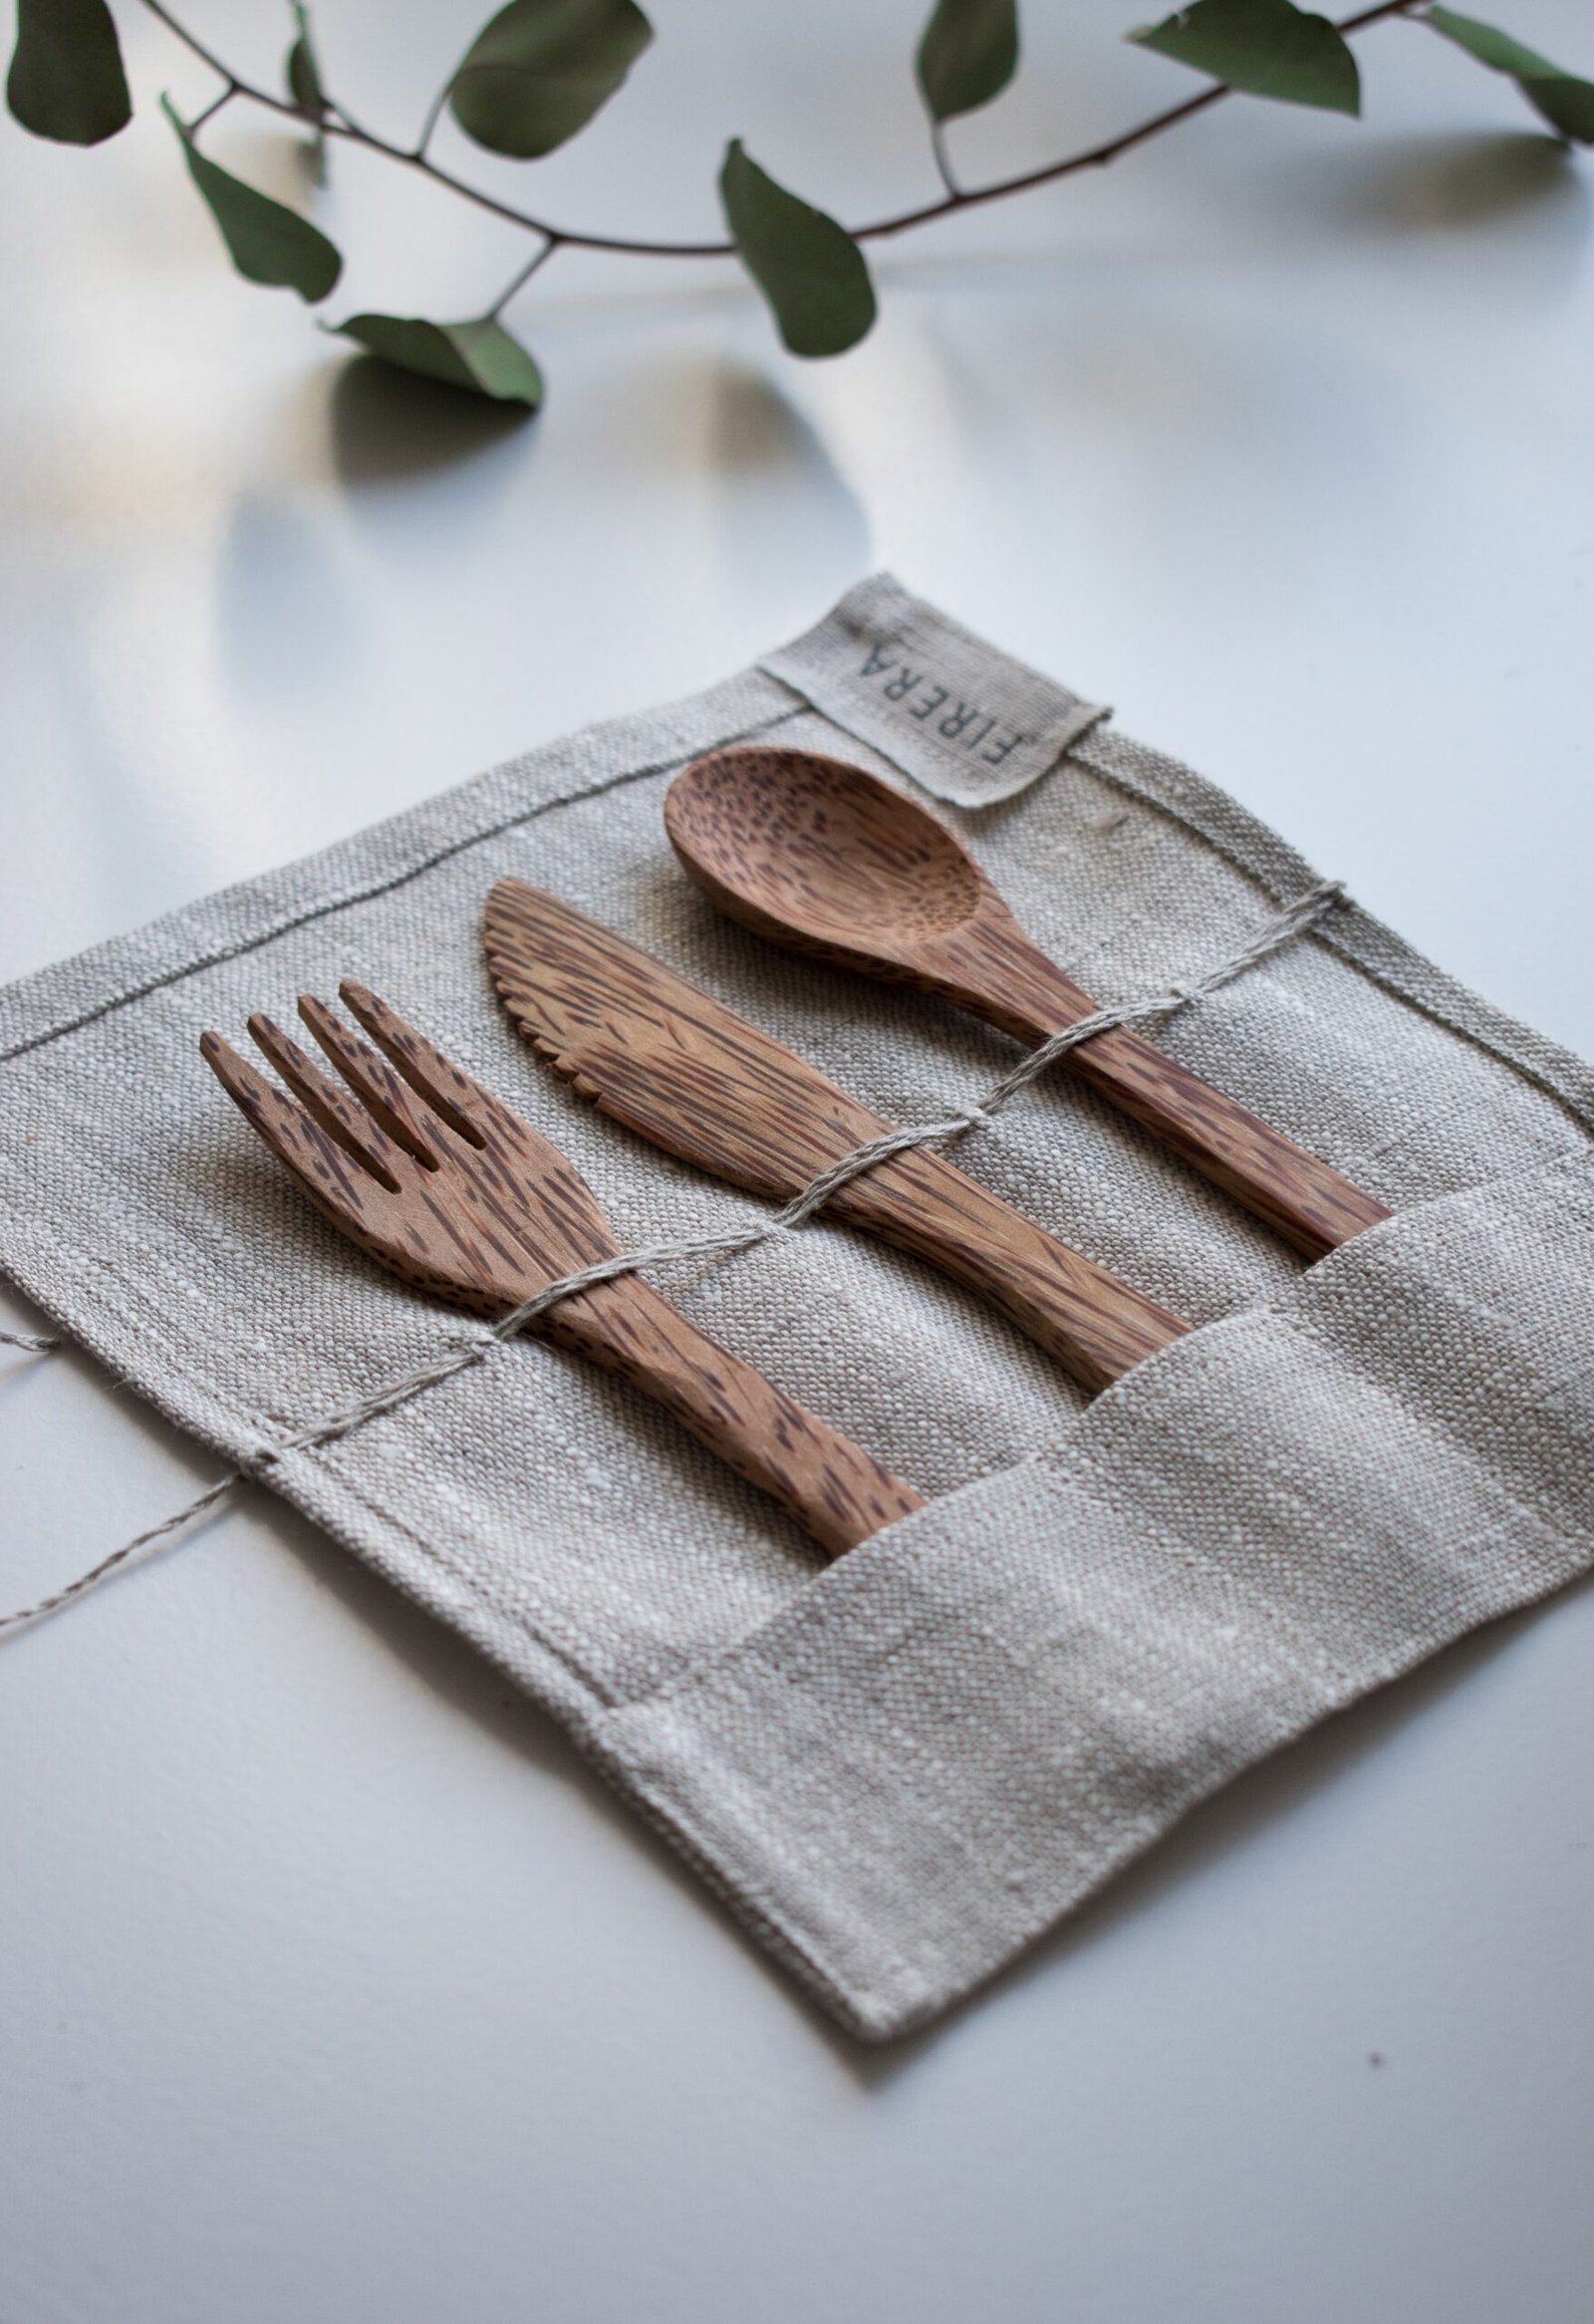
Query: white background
[[333, 1989]]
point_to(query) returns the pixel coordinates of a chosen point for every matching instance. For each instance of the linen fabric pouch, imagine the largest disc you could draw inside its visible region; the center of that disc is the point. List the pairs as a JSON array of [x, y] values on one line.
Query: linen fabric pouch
[[900, 1767]]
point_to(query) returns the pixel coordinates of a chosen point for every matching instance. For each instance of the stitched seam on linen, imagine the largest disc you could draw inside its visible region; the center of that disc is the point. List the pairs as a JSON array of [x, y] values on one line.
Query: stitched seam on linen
[[1387, 1393], [363, 893], [1146, 908], [1090, 1822], [1205, 1348], [1200, 1351], [1553, 1522], [747, 1901], [1498, 1046], [1307, 1654], [769, 1836], [536, 1625], [874, 1742]]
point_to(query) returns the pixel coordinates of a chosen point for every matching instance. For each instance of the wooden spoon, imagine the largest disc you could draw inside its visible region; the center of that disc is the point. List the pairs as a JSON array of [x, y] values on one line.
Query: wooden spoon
[[829, 860]]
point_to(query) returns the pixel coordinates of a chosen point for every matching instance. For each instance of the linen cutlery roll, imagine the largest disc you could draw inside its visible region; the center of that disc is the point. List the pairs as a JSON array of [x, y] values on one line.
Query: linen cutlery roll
[[899, 1769]]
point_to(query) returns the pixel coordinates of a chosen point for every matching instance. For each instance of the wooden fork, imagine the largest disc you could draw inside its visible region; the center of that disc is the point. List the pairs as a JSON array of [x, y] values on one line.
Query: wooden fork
[[430, 1174]]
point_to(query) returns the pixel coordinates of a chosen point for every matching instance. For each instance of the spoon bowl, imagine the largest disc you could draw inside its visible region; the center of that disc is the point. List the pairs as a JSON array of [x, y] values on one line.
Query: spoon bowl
[[828, 860], [815, 853]]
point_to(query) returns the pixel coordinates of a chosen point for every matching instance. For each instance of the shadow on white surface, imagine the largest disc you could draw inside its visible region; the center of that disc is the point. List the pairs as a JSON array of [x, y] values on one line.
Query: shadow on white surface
[[465, 1683], [283, 615], [1503, 198], [387, 424], [1454, 183]]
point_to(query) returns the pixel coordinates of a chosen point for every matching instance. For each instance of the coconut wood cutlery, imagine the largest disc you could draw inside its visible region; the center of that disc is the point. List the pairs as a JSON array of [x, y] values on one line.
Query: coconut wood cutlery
[[826, 859], [439, 1181], [658, 1054], [435, 1177]]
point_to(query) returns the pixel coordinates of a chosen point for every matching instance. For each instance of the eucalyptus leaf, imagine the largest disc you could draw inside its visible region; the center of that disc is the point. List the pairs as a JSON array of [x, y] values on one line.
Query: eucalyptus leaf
[[808, 267], [66, 79], [540, 69], [1268, 47], [303, 68], [479, 357], [268, 242], [1564, 100], [303, 75], [967, 56]]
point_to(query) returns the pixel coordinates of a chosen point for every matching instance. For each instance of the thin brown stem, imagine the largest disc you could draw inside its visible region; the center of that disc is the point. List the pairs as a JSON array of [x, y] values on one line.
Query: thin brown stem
[[944, 166], [1095, 156], [538, 258], [342, 125], [212, 108], [434, 117]]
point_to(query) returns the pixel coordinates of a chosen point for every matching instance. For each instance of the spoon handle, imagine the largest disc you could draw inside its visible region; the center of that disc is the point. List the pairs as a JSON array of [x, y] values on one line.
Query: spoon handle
[[1094, 1325], [1305, 1201], [1296, 1193]]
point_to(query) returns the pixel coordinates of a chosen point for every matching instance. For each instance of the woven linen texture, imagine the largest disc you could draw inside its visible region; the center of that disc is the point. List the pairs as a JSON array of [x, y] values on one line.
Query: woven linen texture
[[901, 1768]]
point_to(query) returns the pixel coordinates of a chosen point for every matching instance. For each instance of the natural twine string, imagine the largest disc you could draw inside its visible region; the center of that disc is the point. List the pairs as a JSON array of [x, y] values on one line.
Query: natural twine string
[[1295, 921]]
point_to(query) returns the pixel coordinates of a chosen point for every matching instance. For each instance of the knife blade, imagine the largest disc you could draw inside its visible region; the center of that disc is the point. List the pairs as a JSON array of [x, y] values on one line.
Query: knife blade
[[654, 1052]]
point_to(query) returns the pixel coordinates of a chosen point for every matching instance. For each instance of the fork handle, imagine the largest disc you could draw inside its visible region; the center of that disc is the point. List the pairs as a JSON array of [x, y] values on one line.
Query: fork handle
[[836, 1492]]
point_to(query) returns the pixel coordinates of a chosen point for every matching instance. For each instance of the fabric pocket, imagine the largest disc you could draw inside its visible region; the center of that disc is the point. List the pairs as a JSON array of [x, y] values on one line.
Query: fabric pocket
[[970, 1722]]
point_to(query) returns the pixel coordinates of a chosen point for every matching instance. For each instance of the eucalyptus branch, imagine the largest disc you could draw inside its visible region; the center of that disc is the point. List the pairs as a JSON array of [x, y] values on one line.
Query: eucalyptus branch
[[955, 198], [343, 125], [534, 77], [1096, 156]]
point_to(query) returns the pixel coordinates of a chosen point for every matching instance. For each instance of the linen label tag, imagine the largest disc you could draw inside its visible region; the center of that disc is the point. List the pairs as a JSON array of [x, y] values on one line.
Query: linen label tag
[[970, 725]]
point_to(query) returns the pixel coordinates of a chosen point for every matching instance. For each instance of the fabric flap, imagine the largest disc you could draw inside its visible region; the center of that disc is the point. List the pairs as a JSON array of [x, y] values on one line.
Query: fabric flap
[[968, 1723]]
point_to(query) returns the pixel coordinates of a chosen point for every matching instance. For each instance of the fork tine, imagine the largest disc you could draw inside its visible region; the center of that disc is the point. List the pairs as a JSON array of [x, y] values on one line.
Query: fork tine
[[328, 1106], [382, 1092], [463, 1104], [319, 1163]]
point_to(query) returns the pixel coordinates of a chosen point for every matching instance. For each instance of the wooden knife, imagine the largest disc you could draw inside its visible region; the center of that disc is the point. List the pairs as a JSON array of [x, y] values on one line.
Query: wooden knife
[[658, 1054]]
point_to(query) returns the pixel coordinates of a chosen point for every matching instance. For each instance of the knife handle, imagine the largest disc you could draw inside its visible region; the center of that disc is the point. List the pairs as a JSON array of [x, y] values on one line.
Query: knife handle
[[836, 1492], [1095, 1326]]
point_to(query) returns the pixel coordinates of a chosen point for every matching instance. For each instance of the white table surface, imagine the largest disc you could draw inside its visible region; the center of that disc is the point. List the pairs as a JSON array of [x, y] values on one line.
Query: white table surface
[[333, 1989]]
